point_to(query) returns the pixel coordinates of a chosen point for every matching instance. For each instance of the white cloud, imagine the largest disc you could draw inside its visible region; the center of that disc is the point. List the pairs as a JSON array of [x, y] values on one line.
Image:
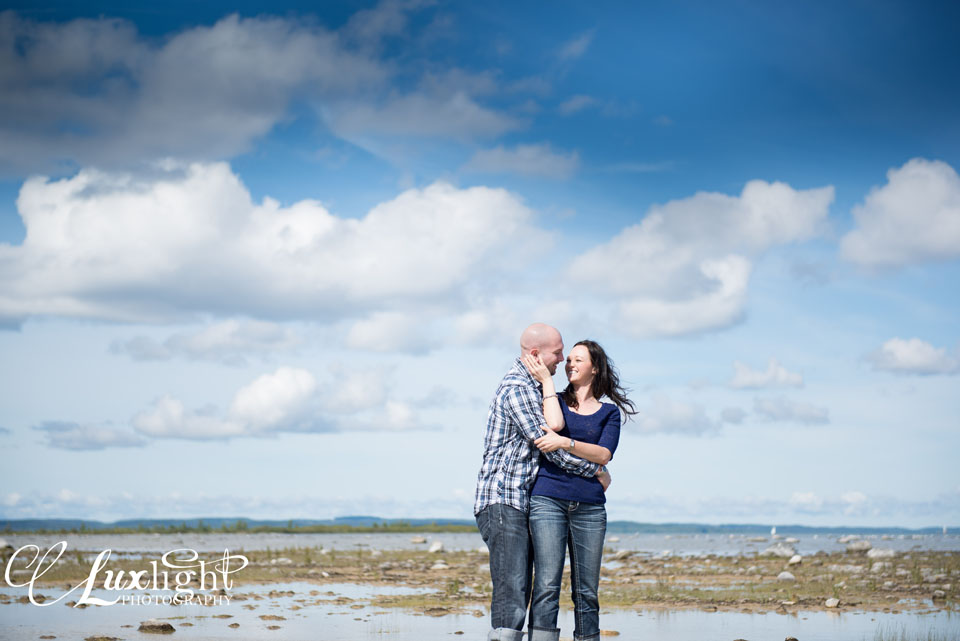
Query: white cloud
[[575, 104], [391, 332], [287, 400], [105, 245], [685, 268], [274, 400], [531, 160], [855, 502], [914, 218], [229, 342], [576, 47], [668, 416], [914, 356], [783, 410], [776, 375], [97, 93], [205, 92], [74, 436], [457, 116], [806, 502]]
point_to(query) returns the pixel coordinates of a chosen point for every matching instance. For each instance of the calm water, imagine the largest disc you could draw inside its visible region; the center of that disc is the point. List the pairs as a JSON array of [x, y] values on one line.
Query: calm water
[[687, 544], [318, 617]]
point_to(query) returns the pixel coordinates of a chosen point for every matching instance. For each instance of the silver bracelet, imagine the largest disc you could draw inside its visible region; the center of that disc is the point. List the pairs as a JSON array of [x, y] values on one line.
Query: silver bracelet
[[549, 396]]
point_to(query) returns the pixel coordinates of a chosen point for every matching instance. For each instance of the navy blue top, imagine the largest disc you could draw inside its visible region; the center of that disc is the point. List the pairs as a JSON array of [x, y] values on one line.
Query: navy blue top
[[600, 428]]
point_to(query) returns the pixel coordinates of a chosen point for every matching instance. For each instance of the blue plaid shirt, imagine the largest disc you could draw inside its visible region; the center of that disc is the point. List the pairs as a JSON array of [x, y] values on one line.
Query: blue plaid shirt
[[510, 459]]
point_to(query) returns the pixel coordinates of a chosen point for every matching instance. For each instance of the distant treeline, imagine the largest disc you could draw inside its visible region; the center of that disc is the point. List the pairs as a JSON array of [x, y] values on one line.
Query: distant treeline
[[372, 524], [238, 525]]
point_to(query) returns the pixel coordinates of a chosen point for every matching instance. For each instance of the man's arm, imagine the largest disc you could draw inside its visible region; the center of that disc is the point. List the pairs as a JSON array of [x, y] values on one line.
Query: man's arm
[[524, 407]]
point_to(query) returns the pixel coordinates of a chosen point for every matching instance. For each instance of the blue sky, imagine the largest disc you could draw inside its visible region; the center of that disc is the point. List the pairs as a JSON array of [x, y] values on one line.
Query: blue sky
[[272, 262]]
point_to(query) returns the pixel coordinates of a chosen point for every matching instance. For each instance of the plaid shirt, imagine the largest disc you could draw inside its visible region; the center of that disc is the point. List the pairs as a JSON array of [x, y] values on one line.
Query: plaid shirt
[[510, 459]]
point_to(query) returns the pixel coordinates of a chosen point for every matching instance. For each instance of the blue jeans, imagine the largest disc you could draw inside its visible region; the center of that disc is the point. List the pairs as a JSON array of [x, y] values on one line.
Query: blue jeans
[[557, 525], [505, 531]]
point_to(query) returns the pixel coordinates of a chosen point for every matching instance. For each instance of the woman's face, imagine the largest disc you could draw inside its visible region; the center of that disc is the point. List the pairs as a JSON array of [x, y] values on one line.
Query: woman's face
[[580, 370]]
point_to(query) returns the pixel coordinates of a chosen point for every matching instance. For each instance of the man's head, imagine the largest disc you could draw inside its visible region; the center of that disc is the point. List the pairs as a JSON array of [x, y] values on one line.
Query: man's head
[[543, 341]]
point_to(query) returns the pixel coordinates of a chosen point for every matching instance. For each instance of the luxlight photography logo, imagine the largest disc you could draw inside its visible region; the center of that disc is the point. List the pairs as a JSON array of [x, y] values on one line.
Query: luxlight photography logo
[[178, 577]]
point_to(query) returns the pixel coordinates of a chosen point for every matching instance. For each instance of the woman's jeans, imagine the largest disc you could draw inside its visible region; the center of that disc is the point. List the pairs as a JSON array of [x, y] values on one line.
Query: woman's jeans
[[557, 525]]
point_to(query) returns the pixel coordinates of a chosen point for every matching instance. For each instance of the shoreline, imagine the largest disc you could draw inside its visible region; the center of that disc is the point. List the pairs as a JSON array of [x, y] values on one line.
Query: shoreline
[[448, 582]]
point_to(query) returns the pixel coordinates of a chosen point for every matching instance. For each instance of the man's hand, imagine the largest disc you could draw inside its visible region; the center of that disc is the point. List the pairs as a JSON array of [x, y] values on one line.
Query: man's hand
[[551, 441], [604, 477]]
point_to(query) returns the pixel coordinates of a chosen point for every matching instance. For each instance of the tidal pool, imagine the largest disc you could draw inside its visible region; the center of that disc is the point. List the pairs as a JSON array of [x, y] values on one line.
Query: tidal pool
[[343, 612]]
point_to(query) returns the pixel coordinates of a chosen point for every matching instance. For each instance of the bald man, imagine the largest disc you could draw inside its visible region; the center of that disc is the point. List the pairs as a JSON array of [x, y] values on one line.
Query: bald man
[[510, 464]]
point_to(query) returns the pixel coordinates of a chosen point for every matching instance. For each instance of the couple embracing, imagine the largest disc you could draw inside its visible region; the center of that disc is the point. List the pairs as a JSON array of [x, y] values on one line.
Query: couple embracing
[[540, 491]]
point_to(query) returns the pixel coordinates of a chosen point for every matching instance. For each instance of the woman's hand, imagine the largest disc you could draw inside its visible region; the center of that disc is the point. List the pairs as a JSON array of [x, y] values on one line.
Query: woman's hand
[[536, 368], [551, 441]]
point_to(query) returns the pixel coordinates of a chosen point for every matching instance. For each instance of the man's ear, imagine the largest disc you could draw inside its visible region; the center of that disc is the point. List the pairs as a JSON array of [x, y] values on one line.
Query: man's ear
[[535, 352]]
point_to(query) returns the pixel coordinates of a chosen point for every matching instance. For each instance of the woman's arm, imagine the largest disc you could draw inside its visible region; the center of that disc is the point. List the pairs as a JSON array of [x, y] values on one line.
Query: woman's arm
[[551, 441], [551, 404]]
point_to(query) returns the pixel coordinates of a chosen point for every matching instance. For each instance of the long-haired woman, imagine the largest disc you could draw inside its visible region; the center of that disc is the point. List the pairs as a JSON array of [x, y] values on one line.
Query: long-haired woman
[[567, 511]]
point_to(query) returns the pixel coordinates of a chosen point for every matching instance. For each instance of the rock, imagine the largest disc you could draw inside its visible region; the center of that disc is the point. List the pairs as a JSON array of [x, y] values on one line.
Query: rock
[[609, 633], [439, 565], [418, 539], [847, 538], [234, 625], [832, 603], [281, 561], [437, 546], [623, 554], [779, 549], [791, 540], [757, 539], [939, 594], [101, 638], [859, 546], [786, 576], [612, 539], [796, 559], [790, 639], [272, 617], [879, 566], [483, 549], [881, 553], [156, 626]]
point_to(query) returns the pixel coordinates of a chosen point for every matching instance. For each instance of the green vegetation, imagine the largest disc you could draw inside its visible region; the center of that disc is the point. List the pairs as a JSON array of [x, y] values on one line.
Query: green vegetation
[[244, 526]]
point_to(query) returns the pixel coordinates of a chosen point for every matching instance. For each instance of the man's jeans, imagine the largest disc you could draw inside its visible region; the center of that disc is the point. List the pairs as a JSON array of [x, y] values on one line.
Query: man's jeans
[[504, 530], [557, 525]]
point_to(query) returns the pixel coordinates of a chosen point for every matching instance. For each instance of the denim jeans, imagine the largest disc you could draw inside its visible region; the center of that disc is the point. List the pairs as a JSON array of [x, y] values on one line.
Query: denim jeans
[[557, 526], [505, 531]]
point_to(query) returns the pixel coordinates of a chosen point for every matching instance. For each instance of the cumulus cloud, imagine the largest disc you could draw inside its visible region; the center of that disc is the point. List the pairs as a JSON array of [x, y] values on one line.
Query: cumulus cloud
[[531, 160], [914, 218], [104, 245], [74, 436], [784, 410], [914, 356], [204, 92], [669, 416], [392, 332], [229, 342], [686, 267], [96, 92], [776, 375], [289, 399]]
